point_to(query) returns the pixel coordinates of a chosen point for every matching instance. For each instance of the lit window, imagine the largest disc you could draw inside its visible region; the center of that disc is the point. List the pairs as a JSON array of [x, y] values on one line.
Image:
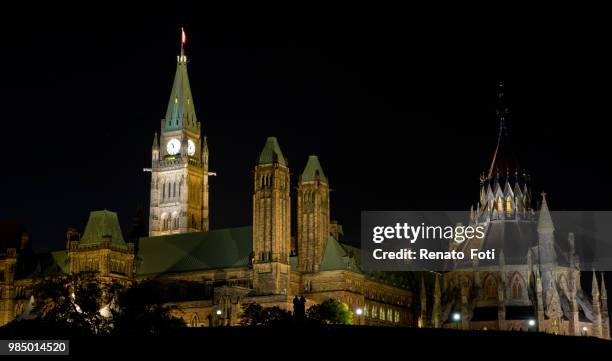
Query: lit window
[[508, 206]]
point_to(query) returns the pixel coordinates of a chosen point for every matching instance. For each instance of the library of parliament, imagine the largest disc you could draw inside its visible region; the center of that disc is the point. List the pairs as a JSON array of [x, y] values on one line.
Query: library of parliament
[[212, 273]]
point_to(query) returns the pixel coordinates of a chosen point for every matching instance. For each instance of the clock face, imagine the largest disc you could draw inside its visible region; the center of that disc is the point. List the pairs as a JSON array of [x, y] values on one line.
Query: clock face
[[173, 146], [190, 147]]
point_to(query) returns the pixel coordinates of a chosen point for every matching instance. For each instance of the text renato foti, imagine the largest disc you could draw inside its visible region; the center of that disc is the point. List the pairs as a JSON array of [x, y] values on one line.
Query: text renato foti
[[424, 254], [404, 231]]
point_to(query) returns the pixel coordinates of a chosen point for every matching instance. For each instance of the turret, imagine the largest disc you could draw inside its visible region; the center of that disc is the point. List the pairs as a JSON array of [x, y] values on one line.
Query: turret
[[155, 148], [546, 231], [501, 292], [423, 299], [271, 221], [435, 312], [605, 317], [596, 307], [313, 219]]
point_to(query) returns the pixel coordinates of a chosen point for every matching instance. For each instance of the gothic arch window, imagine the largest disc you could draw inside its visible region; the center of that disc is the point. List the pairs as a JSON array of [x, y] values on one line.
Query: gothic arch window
[[564, 283], [517, 286], [508, 206], [164, 218], [500, 206], [195, 321], [175, 221], [163, 191], [490, 287]]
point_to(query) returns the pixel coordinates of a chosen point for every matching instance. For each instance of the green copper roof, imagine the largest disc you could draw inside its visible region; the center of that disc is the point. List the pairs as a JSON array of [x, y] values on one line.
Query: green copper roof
[[271, 153], [180, 107], [102, 223], [187, 252], [338, 257], [313, 170]]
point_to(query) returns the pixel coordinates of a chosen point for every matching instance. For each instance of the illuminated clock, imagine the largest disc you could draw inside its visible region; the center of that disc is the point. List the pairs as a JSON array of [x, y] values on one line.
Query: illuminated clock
[[173, 146], [191, 147]]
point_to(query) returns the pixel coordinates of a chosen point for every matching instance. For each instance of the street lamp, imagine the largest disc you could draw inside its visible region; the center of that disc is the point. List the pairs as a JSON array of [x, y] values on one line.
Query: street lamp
[[219, 312], [359, 312], [584, 330], [531, 323], [456, 319]]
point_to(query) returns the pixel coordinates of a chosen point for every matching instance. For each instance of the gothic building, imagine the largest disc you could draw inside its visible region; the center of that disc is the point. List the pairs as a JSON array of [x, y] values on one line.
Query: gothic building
[[535, 284], [211, 274]]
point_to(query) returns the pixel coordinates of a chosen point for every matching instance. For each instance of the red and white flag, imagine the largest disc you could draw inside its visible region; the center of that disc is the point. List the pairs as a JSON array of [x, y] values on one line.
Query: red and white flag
[[183, 36]]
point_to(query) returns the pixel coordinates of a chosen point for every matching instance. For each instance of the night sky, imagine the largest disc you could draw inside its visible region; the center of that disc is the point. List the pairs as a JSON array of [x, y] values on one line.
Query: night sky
[[399, 108]]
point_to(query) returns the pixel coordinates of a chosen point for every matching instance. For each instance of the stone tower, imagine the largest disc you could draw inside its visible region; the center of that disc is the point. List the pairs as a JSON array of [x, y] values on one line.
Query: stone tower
[[101, 249], [271, 221], [179, 181], [312, 216]]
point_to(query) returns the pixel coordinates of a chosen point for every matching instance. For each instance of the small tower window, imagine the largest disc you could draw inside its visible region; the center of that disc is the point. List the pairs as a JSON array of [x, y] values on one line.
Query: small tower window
[[508, 206]]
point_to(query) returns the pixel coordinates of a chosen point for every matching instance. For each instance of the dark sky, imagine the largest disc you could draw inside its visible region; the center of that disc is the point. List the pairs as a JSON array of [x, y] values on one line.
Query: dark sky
[[399, 107]]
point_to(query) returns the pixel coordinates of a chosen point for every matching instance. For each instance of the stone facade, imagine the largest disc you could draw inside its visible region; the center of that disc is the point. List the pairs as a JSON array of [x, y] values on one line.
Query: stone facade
[[535, 286], [253, 264]]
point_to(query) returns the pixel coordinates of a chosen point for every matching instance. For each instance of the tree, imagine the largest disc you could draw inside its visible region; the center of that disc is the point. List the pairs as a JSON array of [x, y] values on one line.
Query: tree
[[253, 314], [328, 312], [72, 302], [140, 309], [82, 304], [331, 312]]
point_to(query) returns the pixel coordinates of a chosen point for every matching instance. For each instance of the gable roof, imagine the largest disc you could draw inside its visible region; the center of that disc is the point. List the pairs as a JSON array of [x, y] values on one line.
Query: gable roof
[[222, 248]]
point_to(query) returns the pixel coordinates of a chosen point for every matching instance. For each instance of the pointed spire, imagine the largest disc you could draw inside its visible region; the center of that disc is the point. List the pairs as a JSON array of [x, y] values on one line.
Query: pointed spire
[[545, 223], [313, 170], [604, 293], [595, 287], [503, 159], [205, 151], [155, 142], [181, 111], [271, 153]]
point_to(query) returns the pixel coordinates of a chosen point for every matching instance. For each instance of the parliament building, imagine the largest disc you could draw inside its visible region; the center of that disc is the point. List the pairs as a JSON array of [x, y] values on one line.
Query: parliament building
[[211, 273]]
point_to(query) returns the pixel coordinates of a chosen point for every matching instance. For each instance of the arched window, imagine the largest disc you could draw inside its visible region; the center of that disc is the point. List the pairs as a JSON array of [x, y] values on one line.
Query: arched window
[[490, 287], [517, 286], [175, 221], [508, 206], [195, 321], [164, 218], [163, 191]]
